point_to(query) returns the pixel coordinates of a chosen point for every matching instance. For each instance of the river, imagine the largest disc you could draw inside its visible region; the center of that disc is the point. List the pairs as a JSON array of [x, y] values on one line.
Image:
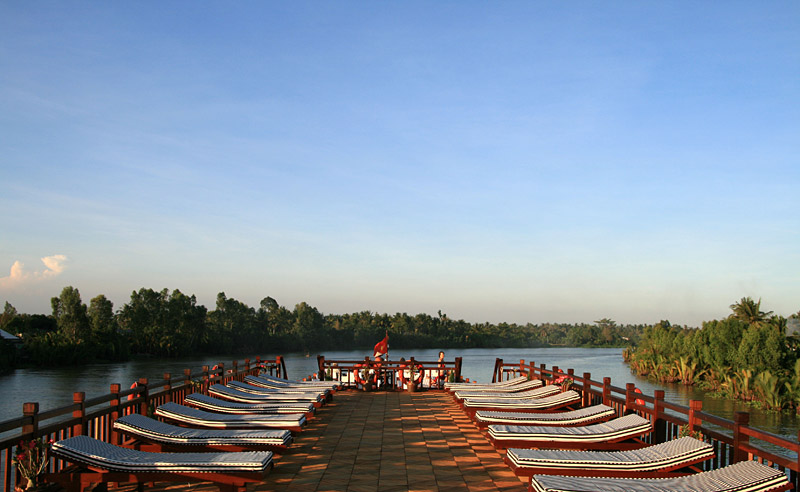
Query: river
[[53, 387]]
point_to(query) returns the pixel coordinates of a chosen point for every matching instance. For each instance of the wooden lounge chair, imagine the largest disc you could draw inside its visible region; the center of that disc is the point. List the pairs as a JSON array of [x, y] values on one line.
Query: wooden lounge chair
[[745, 476], [538, 392], [500, 384], [232, 394], [658, 460], [260, 390], [206, 402], [275, 382], [96, 461], [516, 389], [184, 415], [607, 435], [547, 404], [152, 435], [581, 416]]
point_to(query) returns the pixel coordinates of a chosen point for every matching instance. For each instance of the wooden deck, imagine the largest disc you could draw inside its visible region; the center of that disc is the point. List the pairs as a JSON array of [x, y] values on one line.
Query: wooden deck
[[392, 441], [387, 441]]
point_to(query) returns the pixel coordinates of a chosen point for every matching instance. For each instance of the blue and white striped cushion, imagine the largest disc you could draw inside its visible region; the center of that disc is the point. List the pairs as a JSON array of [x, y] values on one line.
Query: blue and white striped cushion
[[201, 418], [571, 417], [234, 394], [274, 382], [501, 384], [670, 454], [92, 452], [160, 432], [209, 403], [621, 428], [538, 392], [557, 399], [745, 476], [260, 390], [524, 387]]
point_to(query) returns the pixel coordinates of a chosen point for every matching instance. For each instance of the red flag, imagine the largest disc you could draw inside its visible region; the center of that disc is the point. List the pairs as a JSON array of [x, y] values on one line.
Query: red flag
[[382, 347]]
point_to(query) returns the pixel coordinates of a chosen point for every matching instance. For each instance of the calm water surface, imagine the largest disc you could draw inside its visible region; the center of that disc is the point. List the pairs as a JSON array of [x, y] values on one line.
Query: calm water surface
[[54, 387]]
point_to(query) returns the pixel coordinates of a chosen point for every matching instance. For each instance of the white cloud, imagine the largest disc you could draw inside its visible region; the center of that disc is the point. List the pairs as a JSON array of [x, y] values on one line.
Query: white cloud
[[54, 266]]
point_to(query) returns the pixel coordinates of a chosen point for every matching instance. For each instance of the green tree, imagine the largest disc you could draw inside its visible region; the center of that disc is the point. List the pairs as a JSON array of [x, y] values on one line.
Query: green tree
[[749, 311], [70, 314]]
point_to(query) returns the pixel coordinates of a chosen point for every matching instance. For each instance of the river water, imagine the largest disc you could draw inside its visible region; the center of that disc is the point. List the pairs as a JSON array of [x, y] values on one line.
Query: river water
[[53, 387]]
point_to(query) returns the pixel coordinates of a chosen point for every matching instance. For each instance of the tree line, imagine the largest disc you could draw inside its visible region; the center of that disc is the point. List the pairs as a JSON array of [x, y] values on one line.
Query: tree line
[[172, 324], [746, 356]]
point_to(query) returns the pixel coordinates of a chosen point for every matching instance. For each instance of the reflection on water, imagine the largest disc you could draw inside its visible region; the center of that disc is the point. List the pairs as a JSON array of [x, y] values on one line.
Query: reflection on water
[[54, 387]]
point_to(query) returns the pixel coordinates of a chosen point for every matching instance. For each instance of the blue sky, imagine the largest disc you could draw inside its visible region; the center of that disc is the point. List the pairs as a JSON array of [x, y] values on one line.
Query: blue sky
[[512, 161]]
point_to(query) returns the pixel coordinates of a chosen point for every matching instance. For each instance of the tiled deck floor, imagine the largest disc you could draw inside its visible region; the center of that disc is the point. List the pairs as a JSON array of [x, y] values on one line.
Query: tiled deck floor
[[391, 441]]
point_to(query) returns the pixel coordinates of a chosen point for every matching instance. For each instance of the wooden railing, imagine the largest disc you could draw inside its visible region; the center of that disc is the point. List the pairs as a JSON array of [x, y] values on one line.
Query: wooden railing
[[344, 371], [95, 416], [733, 440]]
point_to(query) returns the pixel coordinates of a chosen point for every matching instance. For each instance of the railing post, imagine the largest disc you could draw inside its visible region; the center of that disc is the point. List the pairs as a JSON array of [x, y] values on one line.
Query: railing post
[[221, 369], [321, 367], [498, 363], [282, 367], [30, 411], [79, 428], [205, 384], [521, 366], [115, 414], [145, 405], [629, 390], [586, 389], [659, 424], [247, 367], [740, 419], [694, 407], [168, 387], [187, 384], [458, 370], [556, 371], [235, 374], [607, 391]]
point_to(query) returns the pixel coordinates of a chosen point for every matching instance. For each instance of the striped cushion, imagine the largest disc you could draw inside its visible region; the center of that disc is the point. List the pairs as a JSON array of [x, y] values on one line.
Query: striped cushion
[[525, 387], [204, 401], [260, 390], [745, 476], [572, 417], [501, 384], [621, 428], [91, 452], [488, 395], [234, 394], [200, 418], [671, 454], [273, 382], [160, 432], [557, 399]]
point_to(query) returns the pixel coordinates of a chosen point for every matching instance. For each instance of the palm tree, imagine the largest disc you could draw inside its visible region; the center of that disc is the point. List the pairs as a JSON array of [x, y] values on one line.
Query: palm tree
[[749, 311]]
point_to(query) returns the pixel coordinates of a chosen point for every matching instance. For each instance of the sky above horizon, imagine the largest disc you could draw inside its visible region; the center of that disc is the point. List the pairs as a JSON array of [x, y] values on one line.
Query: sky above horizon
[[514, 161]]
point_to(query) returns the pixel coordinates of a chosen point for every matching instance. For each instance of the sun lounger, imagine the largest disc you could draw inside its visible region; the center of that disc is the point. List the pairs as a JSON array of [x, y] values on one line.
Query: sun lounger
[[206, 402], [607, 435], [261, 390], [651, 461], [232, 394], [537, 391], [100, 462], [160, 436], [547, 404], [745, 476], [275, 382], [500, 384], [200, 418], [581, 416]]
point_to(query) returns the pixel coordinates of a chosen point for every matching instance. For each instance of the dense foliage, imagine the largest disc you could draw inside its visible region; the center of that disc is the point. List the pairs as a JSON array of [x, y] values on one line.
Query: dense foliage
[[745, 356], [173, 324]]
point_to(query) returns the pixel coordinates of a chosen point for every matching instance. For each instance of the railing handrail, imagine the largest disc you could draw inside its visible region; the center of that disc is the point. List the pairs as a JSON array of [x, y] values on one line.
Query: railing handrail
[[93, 416], [739, 441]]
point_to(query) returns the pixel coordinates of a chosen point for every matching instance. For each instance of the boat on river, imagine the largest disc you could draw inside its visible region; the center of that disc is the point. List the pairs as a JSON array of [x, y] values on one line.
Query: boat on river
[[389, 438]]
